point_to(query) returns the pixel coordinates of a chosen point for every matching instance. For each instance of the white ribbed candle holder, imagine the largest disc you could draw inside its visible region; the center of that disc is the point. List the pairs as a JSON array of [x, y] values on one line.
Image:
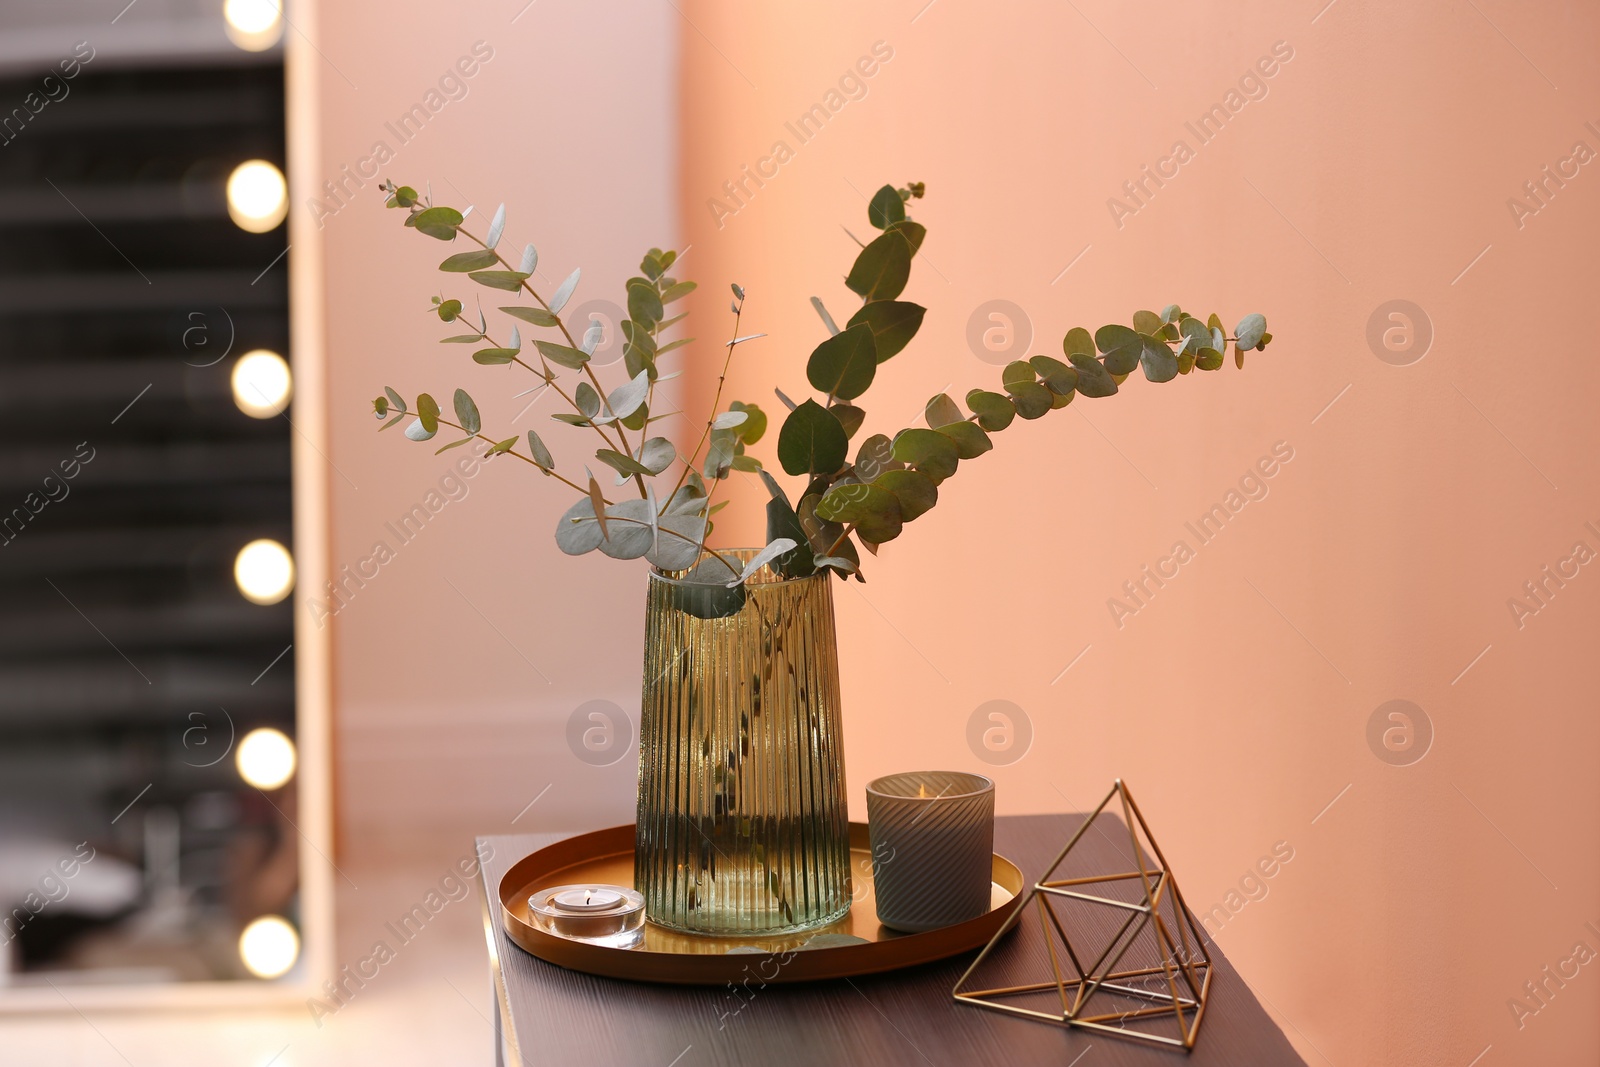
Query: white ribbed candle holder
[[932, 847]]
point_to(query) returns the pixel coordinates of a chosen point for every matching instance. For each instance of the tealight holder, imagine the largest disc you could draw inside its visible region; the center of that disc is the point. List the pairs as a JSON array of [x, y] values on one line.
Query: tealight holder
[[608, 915]]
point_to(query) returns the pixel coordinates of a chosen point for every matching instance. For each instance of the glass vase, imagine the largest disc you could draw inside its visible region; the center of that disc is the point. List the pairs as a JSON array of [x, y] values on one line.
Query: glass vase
[[742, 825]]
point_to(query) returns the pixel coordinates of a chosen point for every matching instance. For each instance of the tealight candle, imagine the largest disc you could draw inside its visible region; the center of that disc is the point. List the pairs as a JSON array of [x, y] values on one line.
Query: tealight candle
[[932, 847], [608, 915]]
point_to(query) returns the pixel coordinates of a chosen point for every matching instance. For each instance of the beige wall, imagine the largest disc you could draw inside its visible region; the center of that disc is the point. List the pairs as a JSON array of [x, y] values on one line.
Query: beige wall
[[1236, 703]]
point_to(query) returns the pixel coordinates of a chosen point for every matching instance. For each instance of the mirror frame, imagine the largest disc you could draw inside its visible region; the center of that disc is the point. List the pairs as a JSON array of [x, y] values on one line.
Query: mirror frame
[[313, 646]]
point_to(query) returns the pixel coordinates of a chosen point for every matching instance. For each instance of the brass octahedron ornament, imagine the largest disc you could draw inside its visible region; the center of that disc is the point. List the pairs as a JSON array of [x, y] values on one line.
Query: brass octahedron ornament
[[1168, 994]]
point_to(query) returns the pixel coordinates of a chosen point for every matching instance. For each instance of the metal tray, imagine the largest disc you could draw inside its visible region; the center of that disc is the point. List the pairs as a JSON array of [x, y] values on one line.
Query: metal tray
[[606, 856]]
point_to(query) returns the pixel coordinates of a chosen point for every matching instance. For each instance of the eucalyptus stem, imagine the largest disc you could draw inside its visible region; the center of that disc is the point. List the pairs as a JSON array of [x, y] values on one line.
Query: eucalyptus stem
[[716, 401], [513, 452]]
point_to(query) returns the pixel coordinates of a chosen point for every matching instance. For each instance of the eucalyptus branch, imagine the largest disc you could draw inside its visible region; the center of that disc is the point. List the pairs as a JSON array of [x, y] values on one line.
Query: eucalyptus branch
[[571, 343], [513, 452]]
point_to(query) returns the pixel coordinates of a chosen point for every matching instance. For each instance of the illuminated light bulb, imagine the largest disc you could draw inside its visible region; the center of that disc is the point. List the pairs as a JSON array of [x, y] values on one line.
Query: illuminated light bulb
[[258, 197], [253, 25], [266, 758], [264, 571], [269, 946], [261, 383]]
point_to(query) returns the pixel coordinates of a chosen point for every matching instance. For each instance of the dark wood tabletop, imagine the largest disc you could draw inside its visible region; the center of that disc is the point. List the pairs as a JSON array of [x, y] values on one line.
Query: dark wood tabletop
[[550, 1015]]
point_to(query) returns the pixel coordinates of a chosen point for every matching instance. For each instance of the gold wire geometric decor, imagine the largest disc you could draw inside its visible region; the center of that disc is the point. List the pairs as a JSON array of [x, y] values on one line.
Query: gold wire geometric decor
[[1164, 985]]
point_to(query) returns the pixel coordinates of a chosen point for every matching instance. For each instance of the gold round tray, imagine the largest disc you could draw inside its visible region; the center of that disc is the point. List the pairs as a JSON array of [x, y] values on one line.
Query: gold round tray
[[606, 856]]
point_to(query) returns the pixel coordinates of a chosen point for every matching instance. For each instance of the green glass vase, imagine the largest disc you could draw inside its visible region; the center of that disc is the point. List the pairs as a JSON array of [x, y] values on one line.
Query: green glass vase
[[742, 825]]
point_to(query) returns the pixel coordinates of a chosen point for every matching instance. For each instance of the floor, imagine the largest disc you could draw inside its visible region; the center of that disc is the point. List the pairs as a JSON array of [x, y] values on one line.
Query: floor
[[429, 1005]]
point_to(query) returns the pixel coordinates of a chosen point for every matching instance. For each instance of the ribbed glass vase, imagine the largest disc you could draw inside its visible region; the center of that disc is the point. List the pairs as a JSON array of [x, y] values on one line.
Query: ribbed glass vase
[[742, 826]]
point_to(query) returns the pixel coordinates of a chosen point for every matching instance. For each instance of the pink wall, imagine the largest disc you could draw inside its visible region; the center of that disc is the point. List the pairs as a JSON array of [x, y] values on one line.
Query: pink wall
[[457, 666], [1376, 167], [1378, 566]]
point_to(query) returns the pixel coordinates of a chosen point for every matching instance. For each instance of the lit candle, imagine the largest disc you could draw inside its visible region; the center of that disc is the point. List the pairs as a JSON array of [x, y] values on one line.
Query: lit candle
[[609, 915], [932, 847]]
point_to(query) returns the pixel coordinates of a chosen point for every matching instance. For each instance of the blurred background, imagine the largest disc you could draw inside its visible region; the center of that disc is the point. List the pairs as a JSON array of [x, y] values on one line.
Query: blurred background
[[1379, 665], [147, 668]]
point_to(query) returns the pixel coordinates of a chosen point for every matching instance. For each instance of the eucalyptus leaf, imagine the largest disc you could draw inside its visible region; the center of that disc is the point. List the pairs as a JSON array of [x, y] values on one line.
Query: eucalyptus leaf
[[491, 357], [877, 456], [929, 451], [704, 593], [428, 412], [1248, 333], [811, 441], [850, 417], [1093, 379], [886, 208], [677, 291], [623, 465], [439, 222], [971, 442], [592, 337], [678, 541], [728, 420], [1147, 322], [656, 455], [1159, 364], [782, 522], [564, 293], [587, 399], [539, 453], [644, 303], [1122, 348], [827, 319], [1018, 370], [626, 398], [1056, 375], [465, 261], [577, 531], [571, 358], [497, 226], [882, 268], [844, 365], [1077, 342], [1032, 399], [941, 411], [916, 492], [720, 454], [533, 315], [994, 410], [417, 431], [530, 260], [395, 400], [1208, 359], [467, 412], [893, 323], [772, 551], [910, 232], [508, 280], [872, 509], [754, 426], [631, 529]]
